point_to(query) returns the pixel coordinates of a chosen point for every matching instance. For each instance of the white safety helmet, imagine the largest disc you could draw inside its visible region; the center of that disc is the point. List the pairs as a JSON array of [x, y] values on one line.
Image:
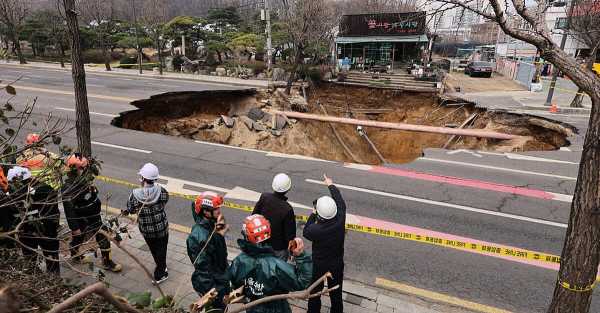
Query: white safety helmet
[[149, 171], [326, 207], [281, 183], [18, 172]]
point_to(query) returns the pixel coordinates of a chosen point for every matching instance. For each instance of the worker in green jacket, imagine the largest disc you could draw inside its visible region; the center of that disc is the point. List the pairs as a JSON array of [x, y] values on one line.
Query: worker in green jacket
[[206, 247], [262, 273]]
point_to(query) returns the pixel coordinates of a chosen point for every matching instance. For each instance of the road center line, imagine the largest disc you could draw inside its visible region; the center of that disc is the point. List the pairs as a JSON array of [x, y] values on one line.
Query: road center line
[[449, 205], [95, 113], [120, 147], [497, 168], [464, 182]]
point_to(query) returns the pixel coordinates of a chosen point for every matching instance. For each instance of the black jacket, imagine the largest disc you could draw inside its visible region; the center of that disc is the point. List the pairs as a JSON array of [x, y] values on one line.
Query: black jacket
[[328, 236], [82, 204], [275, 208]]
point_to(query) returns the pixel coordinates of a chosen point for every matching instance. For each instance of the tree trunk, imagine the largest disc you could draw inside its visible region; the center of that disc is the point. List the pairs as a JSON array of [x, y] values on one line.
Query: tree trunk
[[62, 55], [104, 52], [82, 123], [17, 47], [219, 57], [581, 251], [297, 62]]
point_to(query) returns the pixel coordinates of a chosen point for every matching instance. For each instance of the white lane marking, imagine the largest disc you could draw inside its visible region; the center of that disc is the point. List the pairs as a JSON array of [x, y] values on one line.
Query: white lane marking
[[120, 147], [523, 157], [228, 146], [561, 197], [565, 149], [362, 167], [511, 156], [267, 153], [296, 156], [95, 113], [465, 151], [449, 205], [498, 168], [236, 193]]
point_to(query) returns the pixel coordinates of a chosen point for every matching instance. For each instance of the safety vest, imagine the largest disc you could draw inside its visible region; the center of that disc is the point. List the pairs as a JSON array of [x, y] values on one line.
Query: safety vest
[[3, 181], [41, 166]]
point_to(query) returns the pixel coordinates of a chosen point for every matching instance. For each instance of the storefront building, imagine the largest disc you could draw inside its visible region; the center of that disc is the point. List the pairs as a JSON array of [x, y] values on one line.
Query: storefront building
[[384, 39]]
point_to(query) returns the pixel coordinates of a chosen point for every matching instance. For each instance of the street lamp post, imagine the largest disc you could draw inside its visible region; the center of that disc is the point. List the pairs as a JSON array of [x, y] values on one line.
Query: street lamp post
[[137, 38], [555, 72]]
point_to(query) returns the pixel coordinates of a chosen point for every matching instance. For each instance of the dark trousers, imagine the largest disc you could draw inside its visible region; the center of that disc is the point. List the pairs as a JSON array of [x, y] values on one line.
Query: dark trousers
[[43, 235], [87, 232], [337, 271], [158, 248]]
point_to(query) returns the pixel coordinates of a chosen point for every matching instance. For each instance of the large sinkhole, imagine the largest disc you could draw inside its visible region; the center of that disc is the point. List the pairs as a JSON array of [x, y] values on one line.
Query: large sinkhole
[[234, 117]]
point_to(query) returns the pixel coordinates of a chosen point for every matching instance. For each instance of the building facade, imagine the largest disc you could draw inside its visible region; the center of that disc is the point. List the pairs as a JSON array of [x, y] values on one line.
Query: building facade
[[381, 39]]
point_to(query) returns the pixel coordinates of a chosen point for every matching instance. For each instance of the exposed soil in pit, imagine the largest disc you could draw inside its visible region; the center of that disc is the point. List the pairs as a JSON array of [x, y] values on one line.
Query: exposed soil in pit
[[197, 115]]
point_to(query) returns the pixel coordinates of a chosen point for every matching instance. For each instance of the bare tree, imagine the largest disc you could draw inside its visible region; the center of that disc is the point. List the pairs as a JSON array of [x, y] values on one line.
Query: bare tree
[[12, 15], [307, 21], [82, 111], [154, 17], [581, 251], [100, 14]]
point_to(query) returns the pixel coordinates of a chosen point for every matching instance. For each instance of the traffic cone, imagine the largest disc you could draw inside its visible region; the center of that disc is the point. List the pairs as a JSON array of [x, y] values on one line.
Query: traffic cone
[[553, 108]]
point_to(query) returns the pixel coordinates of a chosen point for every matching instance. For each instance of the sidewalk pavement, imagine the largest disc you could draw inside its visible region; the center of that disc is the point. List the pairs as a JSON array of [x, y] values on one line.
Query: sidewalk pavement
[[357, 296], [529, 101], [150, 74]]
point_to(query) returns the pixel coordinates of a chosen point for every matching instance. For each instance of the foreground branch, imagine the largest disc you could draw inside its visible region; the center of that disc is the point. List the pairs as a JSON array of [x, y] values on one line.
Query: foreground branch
[[99, 289], [303, 294]]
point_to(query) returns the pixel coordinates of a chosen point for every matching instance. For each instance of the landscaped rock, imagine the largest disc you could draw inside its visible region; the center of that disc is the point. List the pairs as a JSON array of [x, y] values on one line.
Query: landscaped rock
[[221, 71]]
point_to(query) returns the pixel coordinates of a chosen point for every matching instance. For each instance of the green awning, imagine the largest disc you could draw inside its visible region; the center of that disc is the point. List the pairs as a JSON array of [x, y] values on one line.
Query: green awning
[[367, 39]]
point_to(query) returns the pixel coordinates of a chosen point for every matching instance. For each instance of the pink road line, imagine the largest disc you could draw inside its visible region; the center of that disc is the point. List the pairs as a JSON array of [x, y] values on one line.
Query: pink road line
[[534, 193], [374, 223]]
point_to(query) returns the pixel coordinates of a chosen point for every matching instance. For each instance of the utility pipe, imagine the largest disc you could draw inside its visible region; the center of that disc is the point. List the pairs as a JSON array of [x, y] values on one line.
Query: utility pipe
[[399, 126]]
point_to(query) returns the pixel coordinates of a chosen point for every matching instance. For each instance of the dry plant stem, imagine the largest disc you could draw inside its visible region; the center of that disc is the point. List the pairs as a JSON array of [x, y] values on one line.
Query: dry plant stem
[[303, 294], [105, 234], [99, 289]]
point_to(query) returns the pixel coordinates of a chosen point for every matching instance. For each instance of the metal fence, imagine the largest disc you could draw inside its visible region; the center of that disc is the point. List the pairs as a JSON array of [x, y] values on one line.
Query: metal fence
[[521, 72]]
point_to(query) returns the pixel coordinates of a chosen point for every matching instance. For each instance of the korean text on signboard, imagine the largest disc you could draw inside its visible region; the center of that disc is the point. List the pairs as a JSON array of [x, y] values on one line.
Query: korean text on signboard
[[383, 24]]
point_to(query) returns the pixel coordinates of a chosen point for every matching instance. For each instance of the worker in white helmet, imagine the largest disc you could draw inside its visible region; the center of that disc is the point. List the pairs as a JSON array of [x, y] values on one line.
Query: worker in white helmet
[[280, 214], [149, 203], [326, 229]]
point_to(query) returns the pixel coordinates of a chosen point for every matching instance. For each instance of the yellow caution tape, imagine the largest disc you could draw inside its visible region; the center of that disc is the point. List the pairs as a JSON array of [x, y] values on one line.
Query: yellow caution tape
[[575, 288], [437, 241]]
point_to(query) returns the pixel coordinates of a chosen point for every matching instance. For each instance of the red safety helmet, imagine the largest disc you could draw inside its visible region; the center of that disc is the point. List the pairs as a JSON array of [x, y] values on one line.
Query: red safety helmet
[[32, 138], [256, 228], [77, 161], [208, 201]]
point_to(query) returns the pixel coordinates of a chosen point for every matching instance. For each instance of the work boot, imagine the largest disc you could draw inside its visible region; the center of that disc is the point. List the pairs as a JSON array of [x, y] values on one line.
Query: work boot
[[108, 264]]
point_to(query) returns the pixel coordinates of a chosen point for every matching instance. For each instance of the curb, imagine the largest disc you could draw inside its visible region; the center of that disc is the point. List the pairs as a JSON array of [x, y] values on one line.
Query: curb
[[251, 83], [561, 110]]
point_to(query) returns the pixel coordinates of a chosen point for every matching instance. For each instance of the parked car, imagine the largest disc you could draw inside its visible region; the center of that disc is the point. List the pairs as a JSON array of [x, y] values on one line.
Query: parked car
[[484, 69]]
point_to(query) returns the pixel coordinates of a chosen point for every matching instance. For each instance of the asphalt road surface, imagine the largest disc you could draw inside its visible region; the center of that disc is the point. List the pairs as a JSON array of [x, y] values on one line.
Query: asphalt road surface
[[513, 200]]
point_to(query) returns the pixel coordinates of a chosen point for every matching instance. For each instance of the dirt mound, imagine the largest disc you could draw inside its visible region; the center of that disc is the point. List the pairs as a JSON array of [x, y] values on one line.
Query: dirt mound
[[197, 115]]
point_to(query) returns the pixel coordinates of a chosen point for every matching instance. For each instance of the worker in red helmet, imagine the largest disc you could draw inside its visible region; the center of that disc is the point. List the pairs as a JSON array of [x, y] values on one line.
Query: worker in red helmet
[[41, 162], [206, 247], [32, 138], [82, 208], [262, 273]]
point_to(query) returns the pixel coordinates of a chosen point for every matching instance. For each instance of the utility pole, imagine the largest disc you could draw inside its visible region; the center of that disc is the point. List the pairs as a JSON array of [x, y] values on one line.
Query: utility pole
[[137, 38], [269, 44], [555, 71]]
